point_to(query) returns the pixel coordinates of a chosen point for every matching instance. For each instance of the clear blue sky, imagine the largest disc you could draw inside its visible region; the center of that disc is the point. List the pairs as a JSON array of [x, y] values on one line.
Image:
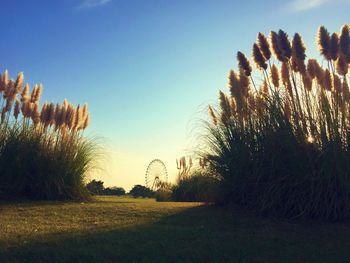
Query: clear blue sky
[[147, 68]]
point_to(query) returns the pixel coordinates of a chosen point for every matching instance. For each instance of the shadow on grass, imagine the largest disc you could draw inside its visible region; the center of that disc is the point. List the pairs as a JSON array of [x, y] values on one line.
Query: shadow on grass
[[200, 234]]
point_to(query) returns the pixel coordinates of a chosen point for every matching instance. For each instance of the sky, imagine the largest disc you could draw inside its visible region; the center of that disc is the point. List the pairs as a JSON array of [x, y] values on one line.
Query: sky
[[147, 68]]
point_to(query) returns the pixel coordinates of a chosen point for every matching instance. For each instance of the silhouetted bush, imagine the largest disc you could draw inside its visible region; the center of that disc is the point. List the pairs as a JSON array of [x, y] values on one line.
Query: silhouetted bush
[[141, 191], [199, 186], [118, 191], [29, 168], [95, 187], [163, 195]]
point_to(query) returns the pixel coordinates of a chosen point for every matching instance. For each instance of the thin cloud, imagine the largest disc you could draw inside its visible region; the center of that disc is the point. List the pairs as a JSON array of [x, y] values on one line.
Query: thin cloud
[[303, 5], [93, 3]]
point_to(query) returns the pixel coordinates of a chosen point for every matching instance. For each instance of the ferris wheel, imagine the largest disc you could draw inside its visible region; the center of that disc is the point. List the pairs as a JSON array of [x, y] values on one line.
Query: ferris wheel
[[156, 173]]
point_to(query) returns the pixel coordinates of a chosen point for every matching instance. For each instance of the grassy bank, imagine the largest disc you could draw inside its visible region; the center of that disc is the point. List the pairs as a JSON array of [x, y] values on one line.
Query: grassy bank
[[114, 229]]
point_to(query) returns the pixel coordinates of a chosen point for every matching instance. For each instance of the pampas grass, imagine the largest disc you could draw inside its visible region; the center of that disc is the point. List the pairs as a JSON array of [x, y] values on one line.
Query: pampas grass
[[264, 46], [43, 153], [281, 146]]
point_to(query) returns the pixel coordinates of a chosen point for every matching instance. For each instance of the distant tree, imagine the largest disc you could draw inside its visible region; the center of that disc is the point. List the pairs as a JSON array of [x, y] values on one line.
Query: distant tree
[[141, 191], [95, 187], [114, 191]]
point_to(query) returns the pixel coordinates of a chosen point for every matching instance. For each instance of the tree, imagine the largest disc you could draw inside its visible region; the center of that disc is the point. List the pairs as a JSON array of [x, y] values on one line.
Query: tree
[[114, 191], [95, 187], [141, 191]]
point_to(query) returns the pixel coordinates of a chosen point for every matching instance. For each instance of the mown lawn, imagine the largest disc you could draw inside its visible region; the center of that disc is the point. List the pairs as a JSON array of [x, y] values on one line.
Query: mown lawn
[[114, 229]]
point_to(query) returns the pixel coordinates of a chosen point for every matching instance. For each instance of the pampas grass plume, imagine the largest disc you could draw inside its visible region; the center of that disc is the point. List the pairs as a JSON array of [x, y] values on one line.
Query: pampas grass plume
[[71, 116], [284, 44], [264, 89], [258, 57], [30, 109], [78, 118], [327, 80], [65, 103], [25, 94], [285, 73], [264, 46], [318, 72], [38, 93], [58, 116], [344, 41], [298, 54], [243, 84], [33, 95], [35, 113], [43, 113], [244, 64], [85, 109], [334, 46], [18, 83], [298, 47], [275, 76], [4, 81], [212, 115], [337, 85], [63, 116], [233, 84], [8, 90], [341, 66], [50, 117], [323, 41], [233, 106], [87, 121], [275, 46], [16, 109], [311, 68], [225, 108]]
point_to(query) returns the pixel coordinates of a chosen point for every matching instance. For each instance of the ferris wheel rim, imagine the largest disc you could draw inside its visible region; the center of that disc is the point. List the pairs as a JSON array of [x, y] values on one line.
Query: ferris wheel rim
[[164, 175]]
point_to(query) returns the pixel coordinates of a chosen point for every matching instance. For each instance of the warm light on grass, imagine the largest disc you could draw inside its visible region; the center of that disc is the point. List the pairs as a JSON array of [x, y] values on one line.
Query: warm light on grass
[[111, 229]]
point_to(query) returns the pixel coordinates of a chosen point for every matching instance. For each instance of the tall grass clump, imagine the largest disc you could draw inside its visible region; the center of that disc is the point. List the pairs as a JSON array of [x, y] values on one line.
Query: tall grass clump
[[43, 154], [195, 185], [280, 143], [198, 186]]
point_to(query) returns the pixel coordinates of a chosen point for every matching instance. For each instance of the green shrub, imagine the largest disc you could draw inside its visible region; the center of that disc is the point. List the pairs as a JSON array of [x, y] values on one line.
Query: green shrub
[[30, 169], [118, 191], [196, 187], [283, 148], [95, 187], [141, 191], [163, 195]]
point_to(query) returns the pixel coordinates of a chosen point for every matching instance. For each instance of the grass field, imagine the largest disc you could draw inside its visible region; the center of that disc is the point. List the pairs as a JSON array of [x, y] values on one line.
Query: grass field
[[112, 229]]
